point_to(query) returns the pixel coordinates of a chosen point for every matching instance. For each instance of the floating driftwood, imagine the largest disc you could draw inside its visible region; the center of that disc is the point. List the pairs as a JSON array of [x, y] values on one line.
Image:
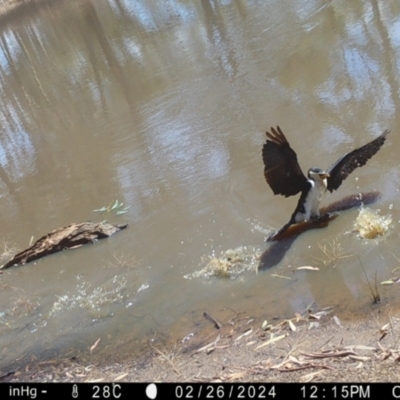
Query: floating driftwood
[[69, 237]]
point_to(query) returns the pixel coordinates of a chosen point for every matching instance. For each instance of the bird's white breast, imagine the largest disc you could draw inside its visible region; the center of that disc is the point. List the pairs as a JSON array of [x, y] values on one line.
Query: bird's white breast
[[313, 200]]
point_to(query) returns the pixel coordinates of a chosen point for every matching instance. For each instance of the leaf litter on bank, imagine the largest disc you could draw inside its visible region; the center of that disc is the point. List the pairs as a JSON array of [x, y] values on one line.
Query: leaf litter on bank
[[341, 358]]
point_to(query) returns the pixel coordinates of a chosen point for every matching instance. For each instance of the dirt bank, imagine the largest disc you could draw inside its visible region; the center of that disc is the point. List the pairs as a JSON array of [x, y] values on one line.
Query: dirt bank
[[314, 347]]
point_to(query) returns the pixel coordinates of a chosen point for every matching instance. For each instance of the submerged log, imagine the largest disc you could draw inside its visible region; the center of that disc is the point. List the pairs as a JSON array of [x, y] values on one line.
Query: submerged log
[[295, 229], [285, 237], [69, 237], [328, 213]]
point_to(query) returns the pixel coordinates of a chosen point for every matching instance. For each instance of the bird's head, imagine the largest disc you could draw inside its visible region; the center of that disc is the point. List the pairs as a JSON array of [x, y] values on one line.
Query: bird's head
[[317, 174]]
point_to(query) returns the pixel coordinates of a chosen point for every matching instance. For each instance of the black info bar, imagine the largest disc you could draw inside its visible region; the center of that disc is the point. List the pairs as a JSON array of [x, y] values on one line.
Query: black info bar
[[138, 391]]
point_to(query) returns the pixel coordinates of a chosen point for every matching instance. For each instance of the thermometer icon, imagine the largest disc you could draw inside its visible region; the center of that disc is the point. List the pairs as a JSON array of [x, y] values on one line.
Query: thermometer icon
[[75, 391]]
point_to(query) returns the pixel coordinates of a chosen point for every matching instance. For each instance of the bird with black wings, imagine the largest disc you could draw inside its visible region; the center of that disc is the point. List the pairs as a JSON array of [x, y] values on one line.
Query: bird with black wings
[[284, 175]]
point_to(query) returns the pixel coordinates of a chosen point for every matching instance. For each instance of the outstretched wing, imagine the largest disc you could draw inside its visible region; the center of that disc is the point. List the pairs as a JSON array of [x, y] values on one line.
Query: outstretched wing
[[281, 168], [357, 158]]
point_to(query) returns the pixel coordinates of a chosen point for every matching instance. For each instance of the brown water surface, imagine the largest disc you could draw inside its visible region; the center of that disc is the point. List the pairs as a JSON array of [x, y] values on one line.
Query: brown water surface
[[163, 106]]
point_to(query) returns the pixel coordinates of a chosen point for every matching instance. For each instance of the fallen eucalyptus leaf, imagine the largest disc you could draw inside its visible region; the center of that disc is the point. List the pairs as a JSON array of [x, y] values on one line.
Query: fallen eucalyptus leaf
[[102, 209], [95, 344], [264, 325], [337, 321], [115, 205], [313, 325], [121, 212], [292, 326], [272, 340]]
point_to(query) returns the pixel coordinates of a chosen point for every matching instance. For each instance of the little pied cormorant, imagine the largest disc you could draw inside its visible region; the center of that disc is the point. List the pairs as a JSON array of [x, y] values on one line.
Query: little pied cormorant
[[283, 173]]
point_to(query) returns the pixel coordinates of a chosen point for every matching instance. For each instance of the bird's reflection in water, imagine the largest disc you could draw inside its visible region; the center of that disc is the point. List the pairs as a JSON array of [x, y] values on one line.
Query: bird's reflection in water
[[282, 240]]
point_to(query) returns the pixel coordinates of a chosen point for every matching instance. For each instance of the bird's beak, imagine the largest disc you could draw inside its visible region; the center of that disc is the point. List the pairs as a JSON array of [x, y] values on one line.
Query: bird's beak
[[324, 175]]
